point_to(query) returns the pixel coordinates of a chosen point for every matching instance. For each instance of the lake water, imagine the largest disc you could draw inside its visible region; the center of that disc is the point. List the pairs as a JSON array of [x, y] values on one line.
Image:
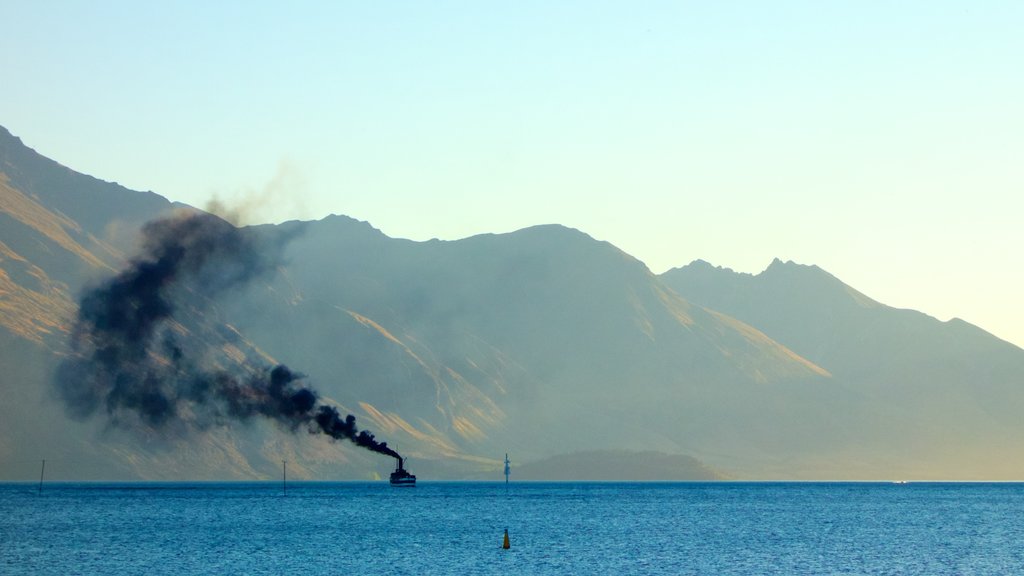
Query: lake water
[[457, 528]]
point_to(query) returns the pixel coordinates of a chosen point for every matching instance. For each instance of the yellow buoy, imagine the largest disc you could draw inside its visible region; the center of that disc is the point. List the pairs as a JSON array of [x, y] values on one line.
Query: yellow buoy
[[505, 544]]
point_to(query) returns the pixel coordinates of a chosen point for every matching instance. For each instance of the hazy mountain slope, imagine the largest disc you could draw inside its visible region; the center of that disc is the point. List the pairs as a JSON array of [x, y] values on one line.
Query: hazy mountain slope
[[538, 341], [945, 392]]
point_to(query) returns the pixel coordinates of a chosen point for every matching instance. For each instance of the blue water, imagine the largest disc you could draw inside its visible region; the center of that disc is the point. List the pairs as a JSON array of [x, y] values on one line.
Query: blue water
[[457, 528]]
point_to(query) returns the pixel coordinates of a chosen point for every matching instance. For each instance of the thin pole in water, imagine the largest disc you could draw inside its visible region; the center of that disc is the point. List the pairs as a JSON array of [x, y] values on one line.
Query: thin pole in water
[[284, 476], [41, 472], [507, 463]]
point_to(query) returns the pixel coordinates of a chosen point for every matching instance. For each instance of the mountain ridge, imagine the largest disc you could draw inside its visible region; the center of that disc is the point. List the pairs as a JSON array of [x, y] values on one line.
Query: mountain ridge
[[936, 379], [538, 342]]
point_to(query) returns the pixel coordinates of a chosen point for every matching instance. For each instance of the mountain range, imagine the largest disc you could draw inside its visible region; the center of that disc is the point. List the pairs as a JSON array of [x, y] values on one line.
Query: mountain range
[[544, 343]]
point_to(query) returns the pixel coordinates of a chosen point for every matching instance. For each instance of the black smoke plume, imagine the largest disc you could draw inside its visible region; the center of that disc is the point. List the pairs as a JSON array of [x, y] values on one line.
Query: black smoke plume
[[134, 362]]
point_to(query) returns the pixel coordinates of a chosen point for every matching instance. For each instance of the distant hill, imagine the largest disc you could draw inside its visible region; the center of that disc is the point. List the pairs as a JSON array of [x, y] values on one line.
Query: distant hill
[[541, 342], [615, 466]]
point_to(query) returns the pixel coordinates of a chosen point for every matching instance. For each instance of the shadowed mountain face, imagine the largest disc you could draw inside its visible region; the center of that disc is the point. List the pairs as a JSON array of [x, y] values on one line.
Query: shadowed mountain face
[[539, 342]]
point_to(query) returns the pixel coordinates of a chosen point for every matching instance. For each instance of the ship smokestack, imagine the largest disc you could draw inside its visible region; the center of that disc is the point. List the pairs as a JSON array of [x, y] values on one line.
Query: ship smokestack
[[401, 476]]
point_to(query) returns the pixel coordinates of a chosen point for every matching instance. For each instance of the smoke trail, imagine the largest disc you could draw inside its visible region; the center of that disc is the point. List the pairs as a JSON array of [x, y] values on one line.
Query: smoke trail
[[132, 361]]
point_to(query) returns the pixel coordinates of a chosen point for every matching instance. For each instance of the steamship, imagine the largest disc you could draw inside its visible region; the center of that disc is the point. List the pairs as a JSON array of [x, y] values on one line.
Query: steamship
[[401, 476]]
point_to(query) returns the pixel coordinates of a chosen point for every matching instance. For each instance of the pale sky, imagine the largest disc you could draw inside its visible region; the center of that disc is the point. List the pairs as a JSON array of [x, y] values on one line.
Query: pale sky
[[882, 141]]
